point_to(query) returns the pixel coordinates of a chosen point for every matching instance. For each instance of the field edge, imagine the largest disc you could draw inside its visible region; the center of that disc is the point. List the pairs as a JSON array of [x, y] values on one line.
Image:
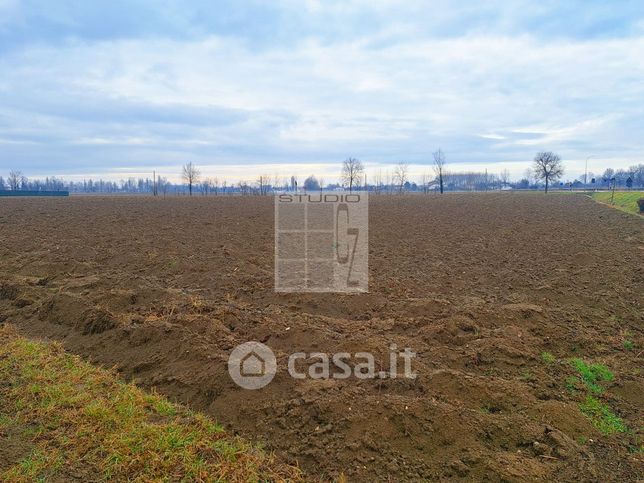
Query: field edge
[[62, 418], [623, 201]]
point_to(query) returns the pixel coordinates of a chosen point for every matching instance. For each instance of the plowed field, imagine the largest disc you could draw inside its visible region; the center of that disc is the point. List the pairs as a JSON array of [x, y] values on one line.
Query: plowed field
[[496, 293]]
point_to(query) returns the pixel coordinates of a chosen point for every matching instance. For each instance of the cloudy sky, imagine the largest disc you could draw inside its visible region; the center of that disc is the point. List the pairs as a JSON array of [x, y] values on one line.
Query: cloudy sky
[[118, 88]]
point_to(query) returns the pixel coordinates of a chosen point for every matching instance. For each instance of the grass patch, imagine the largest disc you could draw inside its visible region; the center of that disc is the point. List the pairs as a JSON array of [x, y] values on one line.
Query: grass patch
[[624, 200], [548, 358], [592, 374], [572, 384], [84, 414], [164, 407], [629, 345], [601, 415]]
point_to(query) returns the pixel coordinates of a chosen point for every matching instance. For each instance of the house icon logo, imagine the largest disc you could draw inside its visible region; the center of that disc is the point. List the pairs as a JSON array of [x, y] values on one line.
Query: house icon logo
[[252, 365]]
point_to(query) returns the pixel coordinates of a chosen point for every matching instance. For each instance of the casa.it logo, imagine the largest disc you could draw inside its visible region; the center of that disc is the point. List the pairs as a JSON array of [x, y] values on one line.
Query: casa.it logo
[[252, 365]]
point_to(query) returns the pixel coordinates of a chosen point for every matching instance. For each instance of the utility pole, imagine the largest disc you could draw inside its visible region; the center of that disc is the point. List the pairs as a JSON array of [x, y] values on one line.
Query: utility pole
[[154, 183]]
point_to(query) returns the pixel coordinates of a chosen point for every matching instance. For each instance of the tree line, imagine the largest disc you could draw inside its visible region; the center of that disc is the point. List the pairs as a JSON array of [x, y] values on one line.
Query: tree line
[[546, 170]]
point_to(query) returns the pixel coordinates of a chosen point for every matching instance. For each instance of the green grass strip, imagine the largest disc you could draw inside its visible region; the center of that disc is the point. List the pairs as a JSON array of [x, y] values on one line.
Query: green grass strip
[[77, 414], [623, 200]]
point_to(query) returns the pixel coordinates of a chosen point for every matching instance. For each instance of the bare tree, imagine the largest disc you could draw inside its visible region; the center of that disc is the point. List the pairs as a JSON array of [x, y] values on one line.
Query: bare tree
[[377, 181], [505, 177], [352, 170], [548, 166], [276, 181], [244, 187], [439, 166], [163, 185], [206, 186], [388, 181], [262, 184], [15, 180], [425, 180], [190, 175], [400, 175]]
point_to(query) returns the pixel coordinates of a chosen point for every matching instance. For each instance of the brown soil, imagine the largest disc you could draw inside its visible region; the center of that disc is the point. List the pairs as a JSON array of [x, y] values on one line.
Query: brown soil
[[478, 285]]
